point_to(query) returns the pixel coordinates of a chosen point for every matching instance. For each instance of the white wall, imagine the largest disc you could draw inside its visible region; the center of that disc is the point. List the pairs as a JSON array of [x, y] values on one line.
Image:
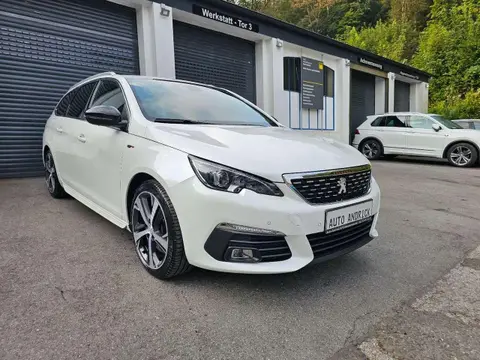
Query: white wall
[[380, 95], [155, 41]]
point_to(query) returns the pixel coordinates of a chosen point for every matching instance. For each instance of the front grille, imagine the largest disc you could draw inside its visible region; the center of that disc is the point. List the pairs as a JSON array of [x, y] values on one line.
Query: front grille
[[272, 248], [323, 188], [326, 244]]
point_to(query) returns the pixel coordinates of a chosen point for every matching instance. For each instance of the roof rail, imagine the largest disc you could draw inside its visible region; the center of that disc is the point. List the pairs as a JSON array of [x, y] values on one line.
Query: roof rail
[[106, 73]]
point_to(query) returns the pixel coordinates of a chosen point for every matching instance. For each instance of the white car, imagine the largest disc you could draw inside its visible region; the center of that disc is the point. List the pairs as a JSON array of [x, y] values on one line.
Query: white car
[[202, 177], [417, 134]]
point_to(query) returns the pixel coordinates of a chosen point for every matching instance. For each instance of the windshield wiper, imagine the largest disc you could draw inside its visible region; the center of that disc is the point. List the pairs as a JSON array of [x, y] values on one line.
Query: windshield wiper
[[179, 121]]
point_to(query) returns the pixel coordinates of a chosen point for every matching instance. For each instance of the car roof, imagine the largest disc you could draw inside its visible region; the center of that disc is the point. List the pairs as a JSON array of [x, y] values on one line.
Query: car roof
[[111, 74]]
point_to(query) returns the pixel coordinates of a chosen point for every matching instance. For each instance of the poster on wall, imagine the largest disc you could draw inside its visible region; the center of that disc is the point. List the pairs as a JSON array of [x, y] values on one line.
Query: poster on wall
[[312, 84]]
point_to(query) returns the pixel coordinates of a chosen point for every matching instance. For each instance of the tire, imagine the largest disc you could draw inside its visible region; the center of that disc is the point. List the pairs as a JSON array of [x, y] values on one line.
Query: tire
[[371, 149], [462, 155], [54, 187], [158, 239]]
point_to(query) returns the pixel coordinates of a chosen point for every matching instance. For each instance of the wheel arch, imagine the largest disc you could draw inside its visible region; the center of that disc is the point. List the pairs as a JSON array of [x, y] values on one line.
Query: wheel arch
[[448, 147], [370, 138], [44, 151], [137, 180]]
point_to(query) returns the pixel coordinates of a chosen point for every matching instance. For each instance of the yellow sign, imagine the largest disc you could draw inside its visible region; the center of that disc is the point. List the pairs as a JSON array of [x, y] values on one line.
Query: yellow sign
[[320, 66]]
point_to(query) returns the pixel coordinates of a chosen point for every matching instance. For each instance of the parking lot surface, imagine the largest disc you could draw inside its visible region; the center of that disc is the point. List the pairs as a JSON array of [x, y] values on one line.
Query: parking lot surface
[[71, 286]]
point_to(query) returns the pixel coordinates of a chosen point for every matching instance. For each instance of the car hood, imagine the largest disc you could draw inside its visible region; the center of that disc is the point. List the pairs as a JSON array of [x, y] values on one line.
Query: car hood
[[264, 151]]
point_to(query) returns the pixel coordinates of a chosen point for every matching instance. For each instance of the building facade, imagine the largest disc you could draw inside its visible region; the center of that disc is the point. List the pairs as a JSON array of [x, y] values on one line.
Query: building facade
[[306, 81]]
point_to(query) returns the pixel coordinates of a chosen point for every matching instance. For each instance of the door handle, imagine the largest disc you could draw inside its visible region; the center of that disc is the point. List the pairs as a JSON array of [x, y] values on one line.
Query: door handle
[[59, 130], [81, 138]]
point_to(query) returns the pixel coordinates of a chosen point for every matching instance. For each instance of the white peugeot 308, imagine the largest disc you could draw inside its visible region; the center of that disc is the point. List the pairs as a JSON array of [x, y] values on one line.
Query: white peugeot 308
[[202, 177]]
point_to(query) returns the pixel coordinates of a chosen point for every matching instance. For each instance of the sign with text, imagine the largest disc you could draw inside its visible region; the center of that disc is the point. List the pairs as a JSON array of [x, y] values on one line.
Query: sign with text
[[223, 18], [312, 84]]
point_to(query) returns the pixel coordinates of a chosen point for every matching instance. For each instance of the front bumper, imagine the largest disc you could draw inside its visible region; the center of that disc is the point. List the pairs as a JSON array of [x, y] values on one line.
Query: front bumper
[[200, 210]]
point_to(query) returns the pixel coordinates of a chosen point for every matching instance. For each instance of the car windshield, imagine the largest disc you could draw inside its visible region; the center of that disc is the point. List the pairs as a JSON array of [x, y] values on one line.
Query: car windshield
[[177, 102], [447, 123]]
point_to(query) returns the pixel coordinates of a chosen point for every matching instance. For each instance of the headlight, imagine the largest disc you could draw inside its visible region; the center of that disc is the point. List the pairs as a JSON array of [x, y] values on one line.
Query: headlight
[[219, 177]]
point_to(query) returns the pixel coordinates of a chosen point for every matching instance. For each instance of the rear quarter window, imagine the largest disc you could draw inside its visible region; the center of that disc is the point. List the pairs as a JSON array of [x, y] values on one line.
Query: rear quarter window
[[380, 121]]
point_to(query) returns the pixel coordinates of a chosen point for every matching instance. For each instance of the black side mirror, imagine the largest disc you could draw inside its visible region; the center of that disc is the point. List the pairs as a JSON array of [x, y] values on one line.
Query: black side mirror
[[436, 127], [104, 116]]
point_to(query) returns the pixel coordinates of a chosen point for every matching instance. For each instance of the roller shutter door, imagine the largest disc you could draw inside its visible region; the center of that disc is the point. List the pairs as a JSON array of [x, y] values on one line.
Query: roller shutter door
[[402, 96], [362, 99], [45, 47], [214, 58]]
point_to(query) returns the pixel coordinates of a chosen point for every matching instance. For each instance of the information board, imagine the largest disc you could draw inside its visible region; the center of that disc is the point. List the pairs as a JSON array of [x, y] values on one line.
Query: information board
[[312, 84]]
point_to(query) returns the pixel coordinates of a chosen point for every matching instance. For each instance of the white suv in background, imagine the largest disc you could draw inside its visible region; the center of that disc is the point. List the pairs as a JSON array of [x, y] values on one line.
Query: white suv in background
[[201, 176], [417, 134]]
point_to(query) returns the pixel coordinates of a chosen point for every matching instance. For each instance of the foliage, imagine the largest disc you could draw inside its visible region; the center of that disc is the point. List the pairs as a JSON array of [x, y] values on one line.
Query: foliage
[[449, 49], [395, 40]]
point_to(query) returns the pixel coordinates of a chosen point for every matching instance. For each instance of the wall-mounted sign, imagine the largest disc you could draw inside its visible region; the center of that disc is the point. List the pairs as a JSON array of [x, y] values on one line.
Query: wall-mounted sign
[[370, 63], [223, 18], [409, 75], [312, 84]]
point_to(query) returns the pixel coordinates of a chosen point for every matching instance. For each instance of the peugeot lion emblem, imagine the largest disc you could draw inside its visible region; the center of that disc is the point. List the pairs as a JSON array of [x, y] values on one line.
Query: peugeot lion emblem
[[342, 182]]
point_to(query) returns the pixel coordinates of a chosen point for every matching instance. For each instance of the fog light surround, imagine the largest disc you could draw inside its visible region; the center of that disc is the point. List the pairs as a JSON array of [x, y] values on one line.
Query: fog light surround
[[239, 254]]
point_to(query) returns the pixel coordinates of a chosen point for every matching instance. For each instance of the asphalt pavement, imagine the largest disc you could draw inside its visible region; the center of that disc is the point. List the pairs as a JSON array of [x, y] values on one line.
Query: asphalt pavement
[[71, 286]]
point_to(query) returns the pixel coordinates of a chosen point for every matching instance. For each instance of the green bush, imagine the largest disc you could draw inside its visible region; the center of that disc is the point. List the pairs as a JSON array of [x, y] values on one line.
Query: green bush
[[457, 108]]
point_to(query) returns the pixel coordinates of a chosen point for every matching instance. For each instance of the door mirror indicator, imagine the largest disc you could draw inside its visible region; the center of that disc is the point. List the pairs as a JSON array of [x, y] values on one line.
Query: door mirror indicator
[[436, 127], [104, 116]]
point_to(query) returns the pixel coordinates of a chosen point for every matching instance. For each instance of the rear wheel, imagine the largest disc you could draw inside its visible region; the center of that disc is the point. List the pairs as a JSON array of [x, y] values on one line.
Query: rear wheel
[[372, 149], [462, 155], [51, 177], [156, 232]]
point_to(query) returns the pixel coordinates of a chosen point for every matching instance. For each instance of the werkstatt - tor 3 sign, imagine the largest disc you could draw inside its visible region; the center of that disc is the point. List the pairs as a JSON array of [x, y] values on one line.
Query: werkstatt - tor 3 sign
[[223, 18]]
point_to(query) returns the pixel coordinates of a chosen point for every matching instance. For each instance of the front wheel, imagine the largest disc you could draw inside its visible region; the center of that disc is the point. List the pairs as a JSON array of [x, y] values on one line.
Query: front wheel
[[156, 232], [462, 155], [372, 149]]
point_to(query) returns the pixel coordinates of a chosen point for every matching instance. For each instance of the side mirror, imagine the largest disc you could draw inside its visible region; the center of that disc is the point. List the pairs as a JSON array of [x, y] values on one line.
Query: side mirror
[[436, 127], [104, 116]]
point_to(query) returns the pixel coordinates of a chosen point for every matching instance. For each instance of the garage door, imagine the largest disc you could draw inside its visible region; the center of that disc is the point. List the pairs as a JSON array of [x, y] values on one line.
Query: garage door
[[46, 46], [362, 99], [210, 57], [402, 96]]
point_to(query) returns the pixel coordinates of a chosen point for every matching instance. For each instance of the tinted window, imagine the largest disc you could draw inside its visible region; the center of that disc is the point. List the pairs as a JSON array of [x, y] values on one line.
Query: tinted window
[[380, 121], [395, 121], [420, 122], [291, 74], [329, 78], [476, 125], [80, 100], [62, 106], [170, 100], [109, 93]]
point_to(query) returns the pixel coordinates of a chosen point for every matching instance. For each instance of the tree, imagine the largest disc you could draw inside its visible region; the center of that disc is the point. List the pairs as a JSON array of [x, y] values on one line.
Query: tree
[[449, 48], [394, 40]]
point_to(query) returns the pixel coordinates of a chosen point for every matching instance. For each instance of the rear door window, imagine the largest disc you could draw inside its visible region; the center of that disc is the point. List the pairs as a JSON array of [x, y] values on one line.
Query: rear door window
[[80, 100]]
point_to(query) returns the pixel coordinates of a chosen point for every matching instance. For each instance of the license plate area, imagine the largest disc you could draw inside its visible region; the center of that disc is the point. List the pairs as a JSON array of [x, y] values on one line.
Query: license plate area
[[346, 216]]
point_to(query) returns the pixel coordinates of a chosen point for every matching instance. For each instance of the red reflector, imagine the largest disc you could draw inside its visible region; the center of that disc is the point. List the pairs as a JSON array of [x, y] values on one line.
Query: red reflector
[[357, 132]]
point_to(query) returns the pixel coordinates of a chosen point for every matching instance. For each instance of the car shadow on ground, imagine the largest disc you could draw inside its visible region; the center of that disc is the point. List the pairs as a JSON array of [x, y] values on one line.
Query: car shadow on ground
[[313, 276], [417, 160]]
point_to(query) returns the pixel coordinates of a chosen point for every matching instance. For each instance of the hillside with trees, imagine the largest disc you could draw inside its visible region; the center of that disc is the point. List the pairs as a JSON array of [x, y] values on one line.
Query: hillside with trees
[[441, 37]]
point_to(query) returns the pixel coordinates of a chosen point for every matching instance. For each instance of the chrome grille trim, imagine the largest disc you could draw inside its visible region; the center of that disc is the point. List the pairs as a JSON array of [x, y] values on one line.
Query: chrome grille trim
[[321, 187]]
